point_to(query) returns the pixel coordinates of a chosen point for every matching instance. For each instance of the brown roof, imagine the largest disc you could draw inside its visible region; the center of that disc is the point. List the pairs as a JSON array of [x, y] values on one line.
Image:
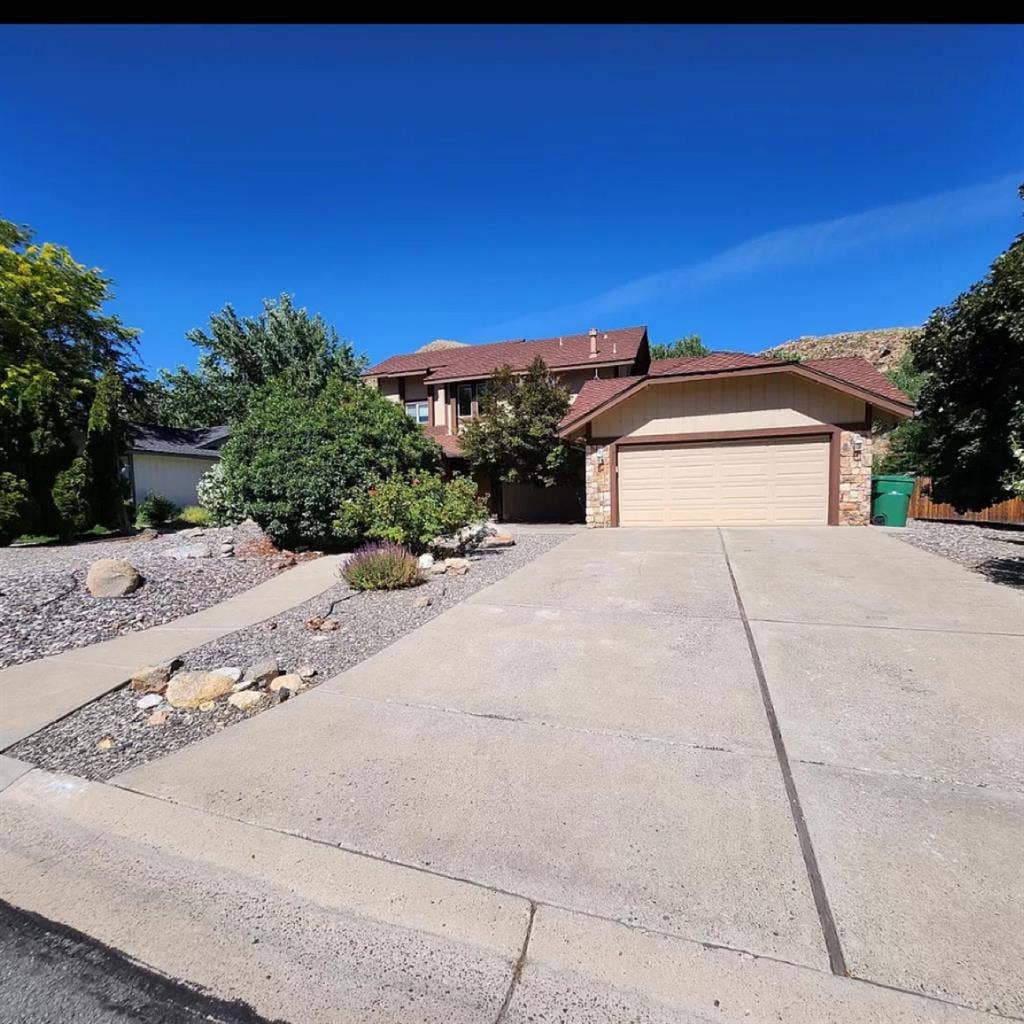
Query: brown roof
[[449, 443], [713, 363], [847, 372], [474, 361], [858, 371]]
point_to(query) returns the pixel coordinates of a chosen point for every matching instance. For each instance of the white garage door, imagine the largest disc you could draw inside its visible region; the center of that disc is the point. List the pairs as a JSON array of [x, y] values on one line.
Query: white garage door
[[739, 483]]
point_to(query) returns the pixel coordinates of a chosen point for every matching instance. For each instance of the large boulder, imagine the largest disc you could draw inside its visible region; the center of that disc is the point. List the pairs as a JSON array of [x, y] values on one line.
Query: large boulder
[[192, 689], [112, 577]]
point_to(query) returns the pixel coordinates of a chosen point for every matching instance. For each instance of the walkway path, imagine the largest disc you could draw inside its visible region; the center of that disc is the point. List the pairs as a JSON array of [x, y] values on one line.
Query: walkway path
[[36, 693]]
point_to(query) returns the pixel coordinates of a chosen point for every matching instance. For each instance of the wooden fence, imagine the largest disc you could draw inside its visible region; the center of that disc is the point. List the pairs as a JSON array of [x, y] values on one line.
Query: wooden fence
[[922, 507]]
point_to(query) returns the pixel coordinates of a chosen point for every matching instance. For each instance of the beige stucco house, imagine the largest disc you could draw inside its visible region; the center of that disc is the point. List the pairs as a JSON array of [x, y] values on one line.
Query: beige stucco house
[[721, 439]]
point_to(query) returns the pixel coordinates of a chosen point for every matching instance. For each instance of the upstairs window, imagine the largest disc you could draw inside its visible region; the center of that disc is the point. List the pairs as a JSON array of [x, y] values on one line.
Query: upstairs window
[[418, 411]]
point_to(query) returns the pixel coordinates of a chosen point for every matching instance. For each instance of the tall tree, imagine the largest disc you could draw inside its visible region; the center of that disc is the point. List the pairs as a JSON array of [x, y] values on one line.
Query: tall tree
[[241, 354], [972, 400], [691, 345], [515, 440], [55, 340]]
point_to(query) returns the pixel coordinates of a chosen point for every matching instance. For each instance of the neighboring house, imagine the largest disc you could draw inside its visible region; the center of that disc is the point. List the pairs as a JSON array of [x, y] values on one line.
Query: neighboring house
[[170, 460], [440, 388], [732, 439]]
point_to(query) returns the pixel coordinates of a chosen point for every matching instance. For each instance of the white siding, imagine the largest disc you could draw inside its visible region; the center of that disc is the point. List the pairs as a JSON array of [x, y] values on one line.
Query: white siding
[[173, 476]]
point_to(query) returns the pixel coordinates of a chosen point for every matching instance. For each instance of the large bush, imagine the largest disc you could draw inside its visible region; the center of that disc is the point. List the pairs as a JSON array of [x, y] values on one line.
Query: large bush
[[297, 457], [13, 501], [215, 498], [411, 510], [72, 491]]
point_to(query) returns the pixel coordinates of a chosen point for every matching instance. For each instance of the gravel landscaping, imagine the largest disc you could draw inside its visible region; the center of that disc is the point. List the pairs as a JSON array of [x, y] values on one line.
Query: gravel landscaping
[[45, 607], [112, 734], [998, 554]]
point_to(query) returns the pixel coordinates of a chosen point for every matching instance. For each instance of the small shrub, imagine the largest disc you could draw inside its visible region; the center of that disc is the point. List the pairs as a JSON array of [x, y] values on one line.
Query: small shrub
[[215, 497], [195, 515], [155, 510], [382, 567], [13, 502], [71, 491], [412, 510]]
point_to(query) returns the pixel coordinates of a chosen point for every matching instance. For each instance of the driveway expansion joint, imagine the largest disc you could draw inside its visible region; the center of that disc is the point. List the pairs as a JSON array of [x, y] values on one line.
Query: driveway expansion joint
[[517, 969], [837, 961]]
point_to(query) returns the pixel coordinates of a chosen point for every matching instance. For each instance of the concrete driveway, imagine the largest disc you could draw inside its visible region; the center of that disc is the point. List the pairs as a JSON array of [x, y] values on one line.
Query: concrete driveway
[[725, 770]]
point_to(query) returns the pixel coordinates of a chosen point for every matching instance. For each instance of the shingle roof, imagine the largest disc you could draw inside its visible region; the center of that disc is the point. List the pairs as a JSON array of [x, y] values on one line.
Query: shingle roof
[[203, 441], [449, 443], [849, 370], [858, 371], [475, 361]]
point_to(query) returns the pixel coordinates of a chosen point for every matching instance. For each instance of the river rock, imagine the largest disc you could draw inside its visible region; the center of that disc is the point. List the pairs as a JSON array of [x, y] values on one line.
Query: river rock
[[193, 689], [245, 699], [153, 678], [292, 681], [183, 551], [151, 700], [112, 577], [457, 566], [262, 672]]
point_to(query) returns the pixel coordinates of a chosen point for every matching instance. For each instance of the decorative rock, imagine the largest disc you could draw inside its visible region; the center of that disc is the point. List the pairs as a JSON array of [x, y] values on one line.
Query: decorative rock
[[315, 622], [291, 681], [245, 699], [152, 678], [112, 577], [498, 540], [439, 568], [269, 626], [262, 671], [459, 566], [425, 561], [193, 689], [104, 744], [423, 602], [157, 718], [195, 531], [306, 671], [187, 551], [151, 700], [148, 534], [330, 625], [233, 672], [207, 705]]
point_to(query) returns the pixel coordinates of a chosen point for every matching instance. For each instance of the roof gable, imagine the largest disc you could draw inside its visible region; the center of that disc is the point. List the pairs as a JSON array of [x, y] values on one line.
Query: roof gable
[[851, 374], [475, 361], [202, 441]]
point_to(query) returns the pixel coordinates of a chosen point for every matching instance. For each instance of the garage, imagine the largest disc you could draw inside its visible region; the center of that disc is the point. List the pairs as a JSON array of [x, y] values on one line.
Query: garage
[[770, 481]]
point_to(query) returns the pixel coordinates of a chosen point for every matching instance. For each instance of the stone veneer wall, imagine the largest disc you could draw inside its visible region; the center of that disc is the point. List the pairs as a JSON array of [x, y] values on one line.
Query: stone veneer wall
[[854, 479], [599, 486]]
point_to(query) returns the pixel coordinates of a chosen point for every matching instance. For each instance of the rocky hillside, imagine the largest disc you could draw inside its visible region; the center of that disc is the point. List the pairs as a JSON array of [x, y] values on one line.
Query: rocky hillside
[[883, 347]]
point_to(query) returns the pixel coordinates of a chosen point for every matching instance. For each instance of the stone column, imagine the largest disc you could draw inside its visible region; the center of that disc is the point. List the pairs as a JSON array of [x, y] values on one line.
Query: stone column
[[599, 485], [855, 478]]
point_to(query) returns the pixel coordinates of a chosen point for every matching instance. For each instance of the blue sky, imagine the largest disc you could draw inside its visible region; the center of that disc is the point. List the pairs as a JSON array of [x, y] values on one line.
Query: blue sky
[[748, 184]]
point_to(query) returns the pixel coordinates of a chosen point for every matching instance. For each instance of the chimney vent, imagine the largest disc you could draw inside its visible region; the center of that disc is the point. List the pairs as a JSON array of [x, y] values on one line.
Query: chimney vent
[[593, 342]]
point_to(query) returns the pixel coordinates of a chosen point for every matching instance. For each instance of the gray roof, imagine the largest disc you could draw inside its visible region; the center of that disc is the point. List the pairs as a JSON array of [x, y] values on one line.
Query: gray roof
[[202, 441]]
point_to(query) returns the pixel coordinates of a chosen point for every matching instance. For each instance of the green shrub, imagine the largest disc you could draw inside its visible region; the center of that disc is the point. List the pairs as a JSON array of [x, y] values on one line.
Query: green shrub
[[155, 510], [382, 567], [71, 492], [215, 497], [13, 502], [296, 458], [411, 510], [195, 515]]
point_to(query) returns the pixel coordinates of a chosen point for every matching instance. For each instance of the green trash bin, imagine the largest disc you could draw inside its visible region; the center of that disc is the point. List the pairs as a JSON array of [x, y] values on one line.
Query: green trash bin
[[890, 499]]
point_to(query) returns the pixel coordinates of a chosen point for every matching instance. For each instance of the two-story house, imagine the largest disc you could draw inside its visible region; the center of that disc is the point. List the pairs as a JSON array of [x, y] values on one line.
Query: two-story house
[[440, 388]]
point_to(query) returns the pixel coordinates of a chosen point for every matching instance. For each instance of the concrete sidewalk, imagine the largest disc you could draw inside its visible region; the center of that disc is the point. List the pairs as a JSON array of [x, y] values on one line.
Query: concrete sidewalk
[[36, 693], [662, 775]]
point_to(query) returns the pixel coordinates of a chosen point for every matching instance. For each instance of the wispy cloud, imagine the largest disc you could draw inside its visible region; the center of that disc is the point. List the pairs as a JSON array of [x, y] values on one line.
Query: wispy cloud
[[787, 247]]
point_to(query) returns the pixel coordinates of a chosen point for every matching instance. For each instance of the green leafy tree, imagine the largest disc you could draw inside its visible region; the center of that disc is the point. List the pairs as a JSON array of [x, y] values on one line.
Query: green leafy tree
[[299, 454], [691, 345], [241, 354], [905, 442], [55, 341], [515, 440], [13, 503], [106, 444], [972, 399]]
